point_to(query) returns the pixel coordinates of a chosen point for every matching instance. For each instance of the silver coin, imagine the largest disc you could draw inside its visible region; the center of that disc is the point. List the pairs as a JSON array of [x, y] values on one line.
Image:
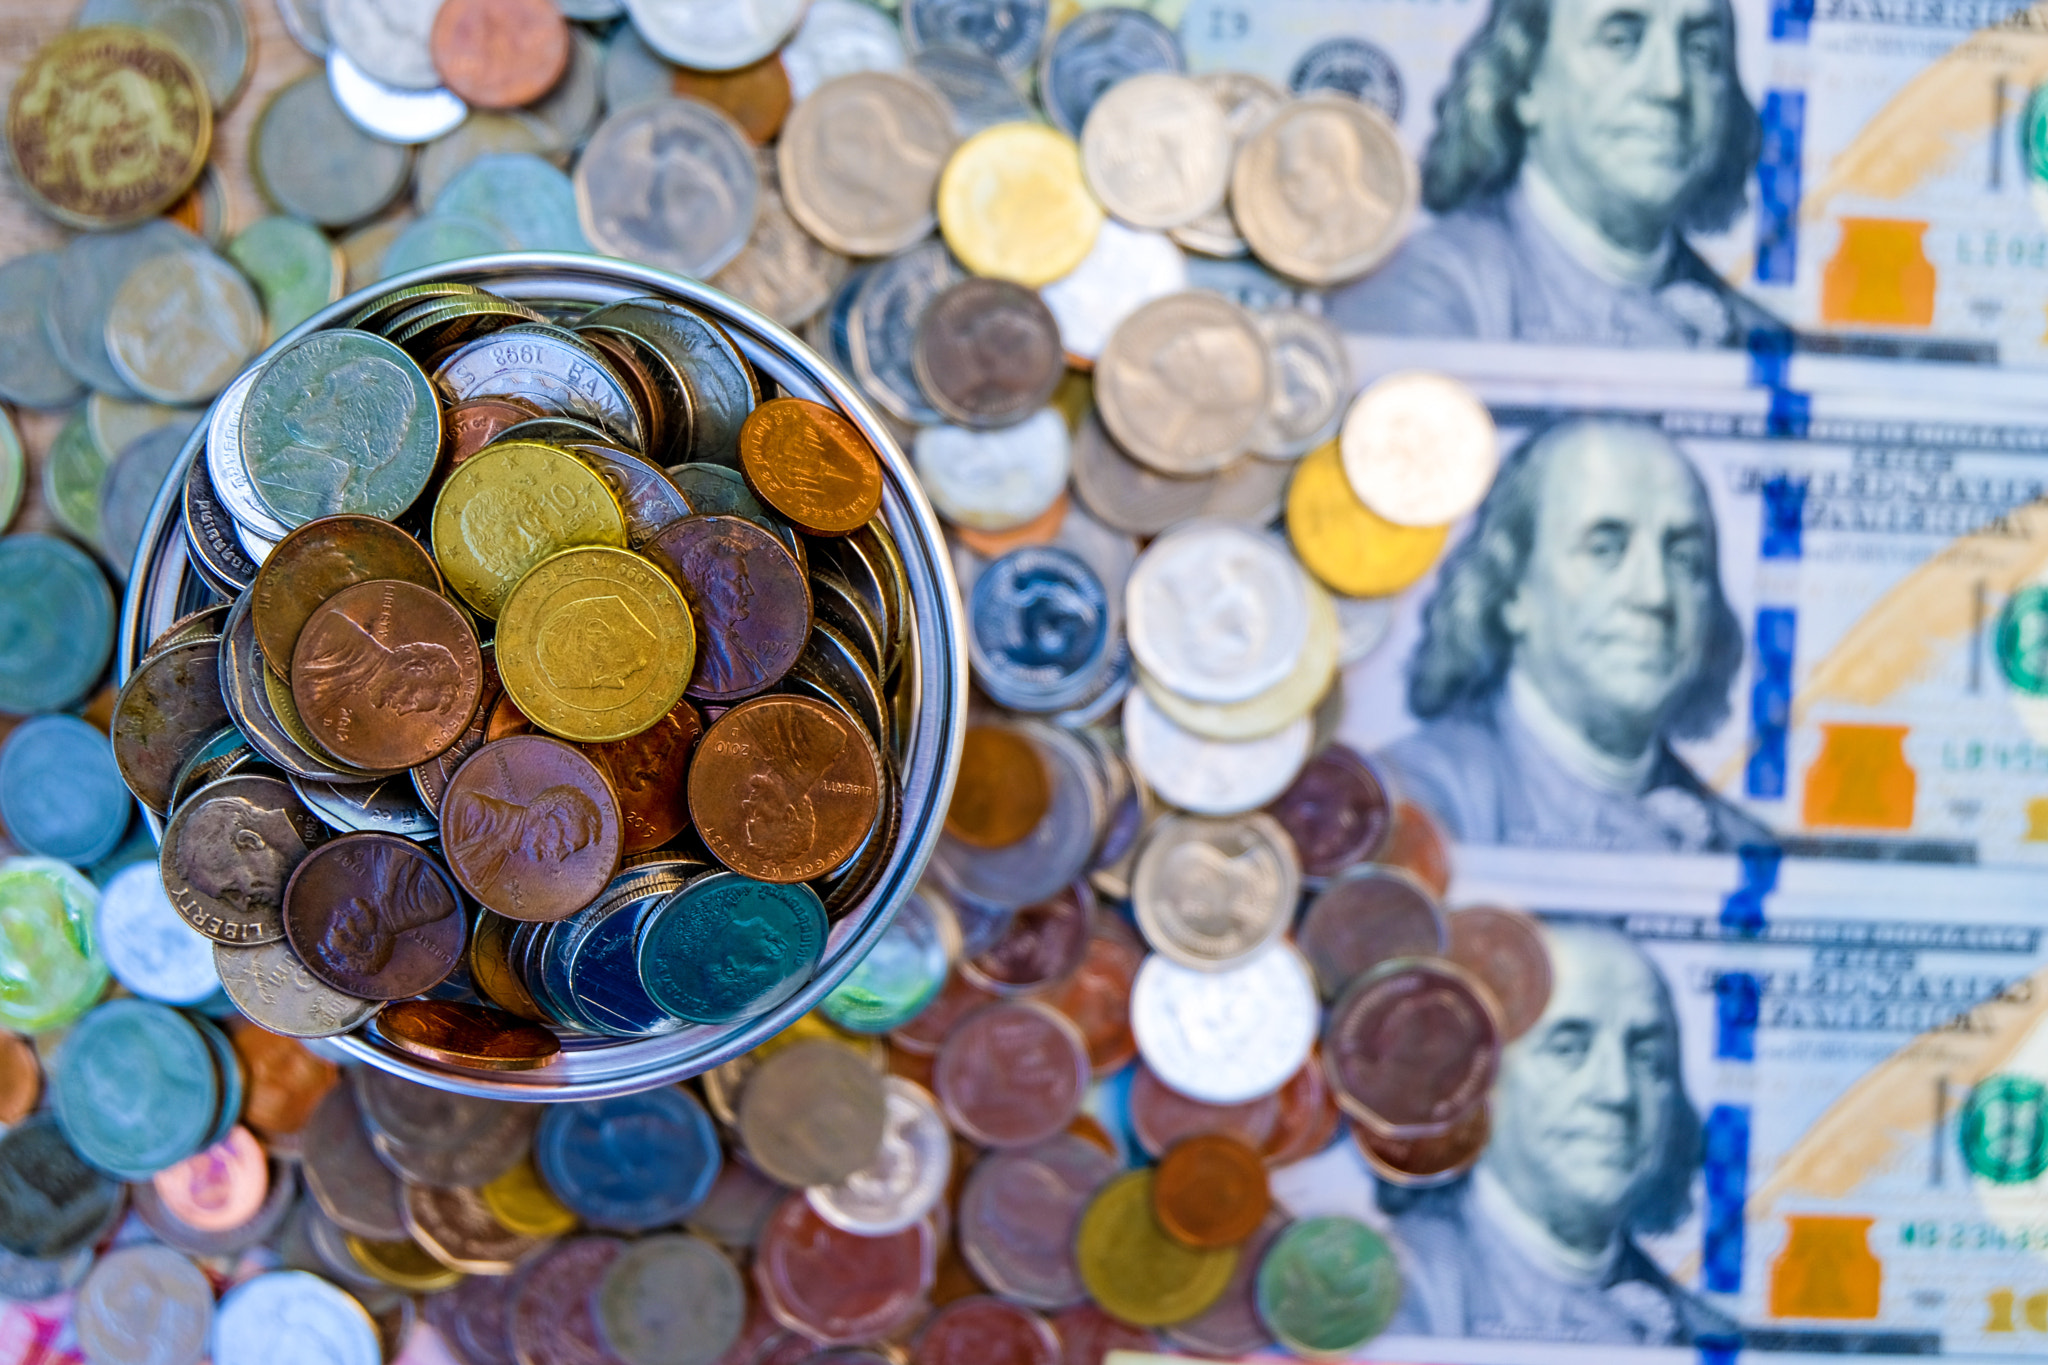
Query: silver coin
[[1230, 1036], [881, 330], [1367, 189], [270, 985], [1311, 383], [1143, 502], [1210, 776], [1183, 383], [1247, 101], [669, 183], [181, 327], [144, 1305], [389, 40], [1217, 611], [994, 480], [634, 73], [393, 113], [1156, 150], [387, 805], [573, 107], [715, 35], [839, 38], [860, 160], [31, 375], [1007, 32], [1019, 1212], [314, 162], [484, 133], [1210, 893], [149, 947], [306, 22], [670, 1300], [130, 489], [591, 11], [89, 273], [1126, 269], [1362, 624], [1092, 52], [1057, 850], [907, 1177], [288, 1317], [783, 271], [976, 88], [212, 33], [551, 368], [226, 467]]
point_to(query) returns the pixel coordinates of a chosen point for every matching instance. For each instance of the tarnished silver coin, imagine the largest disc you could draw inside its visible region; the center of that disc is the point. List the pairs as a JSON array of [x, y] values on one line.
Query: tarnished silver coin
[[89, 273], [228, 853], [394, 113], [1324, 191], [1247, 101], [1143, 502], [881, 329], [1183, 383], [212, 33], [387, 39], [144, 1305], [987, 353], [1156, 150], [31, 375], [908, 1175], [1210, 893], [670, 1300], [181, 327], [270, 985], [1311, 383], [1007, 32], [860, 161], [715, 35], [129, 490], [314, 162], [669, 183], [548, 367]]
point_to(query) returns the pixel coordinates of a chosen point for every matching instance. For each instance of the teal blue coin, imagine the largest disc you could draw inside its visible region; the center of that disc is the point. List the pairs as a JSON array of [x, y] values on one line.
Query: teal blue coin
[[727, 948], [227, 1065], [2004, 1130], [631, 1163], [60, 794], [135, 1088], [532, 203], [1326, 1286], [901, 974], [56, 624], [441, 237]]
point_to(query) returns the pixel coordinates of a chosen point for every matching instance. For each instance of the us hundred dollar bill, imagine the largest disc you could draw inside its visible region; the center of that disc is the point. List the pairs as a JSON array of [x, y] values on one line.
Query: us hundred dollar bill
[[1604, 172]]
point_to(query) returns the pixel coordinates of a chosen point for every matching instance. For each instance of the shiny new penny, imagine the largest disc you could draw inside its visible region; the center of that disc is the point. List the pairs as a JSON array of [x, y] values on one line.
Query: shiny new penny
[[386, 674], [220, 1188], [468, 427], [838, 1288], [500, 54], [1002, 791], [315, 562], [988, 353], [785, 788], [1505, 950], [1044, 945], [1426, 1161], [1012, 1074], [811, 465], [1211, 1191], [1367, 916], [1337, 812], [228, 852], [1161, 1116], [285, 1079], [531, 828], [749, 599], [1416, 845], [648, 773], [985, 1331], [372, 915], [472, 1036], [1098, 996], [1411, 1047]]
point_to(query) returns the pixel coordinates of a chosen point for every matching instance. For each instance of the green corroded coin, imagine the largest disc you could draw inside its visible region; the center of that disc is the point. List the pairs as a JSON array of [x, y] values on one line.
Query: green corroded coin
[[901, 973], [2004, 1130], [30, 373], [483, 133], [13, 470], [340, 421], [61, 794], [51, 970], [532, 203], [2023, 640], [295, 269], [71, 481], [314, 163], [1327, 1286], [56, 624], [728, 948], [441, 237], [134, 1088], [670, 1300]]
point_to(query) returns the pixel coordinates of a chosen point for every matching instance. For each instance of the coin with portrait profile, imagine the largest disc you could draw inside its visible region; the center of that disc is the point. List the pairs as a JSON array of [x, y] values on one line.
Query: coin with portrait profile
[[228, 852], [510, 506], [1157, 150], [860, 158], [1324, 190], [766, 939], [316, 561], [785, 788], [386, 674], [670, 183], [750, 601], [648, 773], [372, 915], [531, 828]]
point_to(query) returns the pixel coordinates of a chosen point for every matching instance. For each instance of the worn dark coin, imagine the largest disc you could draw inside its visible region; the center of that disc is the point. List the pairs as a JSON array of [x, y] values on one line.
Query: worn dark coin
[[748, 596], [319, 559], [373, 915], [1012, 1074], [1043, 946], [1018, 1214], [456, 1228], [785, 789], [838, 1287], [51, 1202], [988, 353], [1411, 1047], [343, 1173], [1506, 951], [671, 1300], [474, 1318], [553, 1313], [1367, 916], [169, 707], [531, 828], [229, 852], [386, 674], [1337, 811], [631, 1163], [438, 1137]]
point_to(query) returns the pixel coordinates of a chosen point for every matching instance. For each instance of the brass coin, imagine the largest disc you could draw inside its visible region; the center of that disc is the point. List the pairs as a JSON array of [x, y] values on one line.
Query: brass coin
[[1134, 1269], [1002, 792], [811, 465], [318, 560], [785, 788], [508, 508], [386, 674], [1346, 544]]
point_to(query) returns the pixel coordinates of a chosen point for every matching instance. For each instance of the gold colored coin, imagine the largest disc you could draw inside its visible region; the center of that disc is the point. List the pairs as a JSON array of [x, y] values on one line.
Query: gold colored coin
[[1013, 204], [108, 126], [402, 1265], [595, 644], [508, 507], [1345, 543], [1134, 1269], [522, 1203]]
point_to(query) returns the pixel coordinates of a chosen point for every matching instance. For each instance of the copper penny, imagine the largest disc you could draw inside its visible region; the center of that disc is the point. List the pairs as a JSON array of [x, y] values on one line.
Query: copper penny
[[373, 916], [1041, 949], [1368, 916], [1038, 531], [957, 999], [166, 712], [431, 778], [1211, 1191], [531, 828], [1308, 1116], [500, 54], [387, 674], [21, 1079], [1002, 791], [785, 788], [1419, 1163], [1161, 1116], [1416, 845], [749, 600], [648, 774], [285, 1079], [812, 465], [1019, 1212], [316, 561], [1098, 995], [757, 96], [985, 1331], [553, 1317], [474, 423], [506, 719], [1011, 1074], [1505, 950], [837, 1288], [472, 1036], [1411, 1047], [1337, 812], [1087, 1336], [220, 1188]]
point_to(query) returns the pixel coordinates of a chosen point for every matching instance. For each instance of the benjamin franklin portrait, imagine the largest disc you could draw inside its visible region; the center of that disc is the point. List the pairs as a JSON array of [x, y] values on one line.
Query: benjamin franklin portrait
[[1577, 143], [1576, 630], [1594, 1141]]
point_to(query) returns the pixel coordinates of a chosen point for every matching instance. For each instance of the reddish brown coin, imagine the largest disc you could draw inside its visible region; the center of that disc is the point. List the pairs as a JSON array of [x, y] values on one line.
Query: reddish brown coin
[[838, 1288], [1012, 1074], [756, 96], [1019, 1212], [1308, 1116], [1161, 1116], [1337, 812], [1041, 949], [812, 465], [469, 426], [1098, 996], [1038, 531], [1419, 1163], [219, 1189], [472, 1036], [21, 1079], [387, 674], [1416, 845], [649, 773], [531, 828], [957, 999], [286, 1080], [1505, 950], [749, 599], [1211, 1191], [318, 560], [1002, 792], [1087, 1336], [553, 1313], [1369, 915], [374, 917], [785, 788], [1411, 1047], [430, 779], [985, 1331], [500, 54]]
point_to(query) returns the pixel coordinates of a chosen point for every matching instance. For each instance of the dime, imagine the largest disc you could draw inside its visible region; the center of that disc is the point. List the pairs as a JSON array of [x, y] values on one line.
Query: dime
[[61, 795], [1211, 1191], [160, 1066], [756, 96], [1184, 382], [860, 159], [219, 1189], [811, 465], [1327, 1286], [499, 54], [394, 113], [813, 1114], [144, 1305], [31, 375], [546, 367], [1337, 812], [295, 269], [316, 1318], [1134, 1269], [149, 948], [1366, 916], [530, 828], [169, 707], [631, 1163], [976, 1329], [1211, 894], [1423, 1163], [1018, 1214], [1001, 793], [1347, 545], [371, 915], [750, 602], [508, 508], [1013, 204], [670, 1300], [390, 44], [386, 674], [839, 1288], [988, 353], [1011, 1074], [108, 126], [906, 1178], [1505, 950], [715, 35], [785, 788], [1386, 1075], [51, 1203], [180, 329], [1324, 191], [1419, 449], [313, 162], [1156, 150], [902, 973], [1227, 1036], [670, 183], [315, 562]]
